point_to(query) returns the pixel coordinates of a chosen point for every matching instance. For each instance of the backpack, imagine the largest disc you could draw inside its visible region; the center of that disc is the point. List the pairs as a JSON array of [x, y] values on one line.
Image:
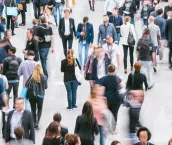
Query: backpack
[[46, 32]]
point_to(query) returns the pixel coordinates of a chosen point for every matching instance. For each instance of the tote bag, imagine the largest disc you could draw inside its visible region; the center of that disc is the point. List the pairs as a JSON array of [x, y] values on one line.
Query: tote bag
[[130, 40], [78, 72], [12, 11]]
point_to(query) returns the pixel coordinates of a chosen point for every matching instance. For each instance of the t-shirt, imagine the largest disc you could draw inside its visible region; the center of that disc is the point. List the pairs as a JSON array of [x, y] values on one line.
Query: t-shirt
[[154, 32]]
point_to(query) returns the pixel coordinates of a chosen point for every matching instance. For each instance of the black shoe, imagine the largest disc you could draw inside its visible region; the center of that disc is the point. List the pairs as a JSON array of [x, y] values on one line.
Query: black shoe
[[170, 67], [90, 8], [36, 126], [155, 70], [56, 24], [13, 34], [75, 106], [69, 108], [93, 9]]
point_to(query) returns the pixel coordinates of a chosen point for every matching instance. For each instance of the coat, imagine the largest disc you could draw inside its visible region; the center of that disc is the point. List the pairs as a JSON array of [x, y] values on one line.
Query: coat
[[168, 30]]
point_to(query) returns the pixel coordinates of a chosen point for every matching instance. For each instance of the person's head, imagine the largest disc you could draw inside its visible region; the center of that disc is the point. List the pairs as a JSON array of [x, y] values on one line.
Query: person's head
[[38, 71], [52, 131], [169, 14], [105, 19], [43, 20], [170, 3], [127, 19], [30, 33], [87, 110], [19, 133], [11, 50], [35, 22], [97, 90], [70, 58], [146, 32], [157, 7], [109, 40], [147, 2], [48, 11], [143, 134], [137, 66], [100, 52], [67, 12], [95, 49], [151, 20], [85, 20], [19, 104], [111, 68], [159, 12], [155, 2], [57, 117], [115, 143], [170, 142], [72, 139], [8, 34], [30, 55], [115, 11]]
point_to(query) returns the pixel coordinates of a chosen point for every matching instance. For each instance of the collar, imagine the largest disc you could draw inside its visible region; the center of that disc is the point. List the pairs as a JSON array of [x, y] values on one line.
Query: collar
[[15, 112]]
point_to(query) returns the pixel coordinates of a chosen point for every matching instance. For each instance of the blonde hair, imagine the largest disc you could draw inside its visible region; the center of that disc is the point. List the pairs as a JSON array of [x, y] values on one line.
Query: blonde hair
[[70, 58], [93, 90], [127, 19], [34, 21], [36, 76]]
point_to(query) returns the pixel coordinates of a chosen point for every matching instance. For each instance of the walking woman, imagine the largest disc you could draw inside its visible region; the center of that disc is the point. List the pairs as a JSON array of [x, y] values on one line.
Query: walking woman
[[99, 103], [36, 102], [91, 4], [68, 67], [125, 29], [86, 125]]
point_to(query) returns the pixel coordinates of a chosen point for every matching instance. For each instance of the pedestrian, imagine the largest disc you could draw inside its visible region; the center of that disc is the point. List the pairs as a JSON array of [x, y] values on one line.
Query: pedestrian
[[44, 35], [99, 103], [57, 118], [85, 34], [66, 30], [154, 13], [36, 102], [91, 4], [31, 45], [168, 33], [115, 143], [36, 9], [34, 24], [167, 9], [1, 8], [48, 16], [117, 21], [125, 29], [86, 125], [170, 142], [10, 68], [110, 82], [72, 139], [129, 9], [113, 52], [19, 118], [23, 12], [109, 6], [19, 138], [145, 56], [52, 135], [144, 136], [106, 29], [68, 67], [10, 21]]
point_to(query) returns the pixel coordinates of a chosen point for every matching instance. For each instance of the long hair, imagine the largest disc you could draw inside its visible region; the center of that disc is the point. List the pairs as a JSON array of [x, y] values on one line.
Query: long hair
[[36, 76], [52, 131], [70, 59], [87, 111], [93, 90], [72, 139], [127, 19]]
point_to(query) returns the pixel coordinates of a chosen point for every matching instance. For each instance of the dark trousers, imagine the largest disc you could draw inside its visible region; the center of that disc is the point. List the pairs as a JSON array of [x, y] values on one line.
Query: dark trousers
[[86, 142], [36, 10], [23, 16], [170, 52], [10, 20], [65, 40], [109, 13], [114, 109], [15, 87], [131, 49], [36, 104]]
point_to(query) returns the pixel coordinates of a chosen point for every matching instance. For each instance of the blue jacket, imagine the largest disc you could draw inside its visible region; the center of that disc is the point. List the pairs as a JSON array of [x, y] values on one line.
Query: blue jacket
[[89, 32], [161, 22], [116, 22]]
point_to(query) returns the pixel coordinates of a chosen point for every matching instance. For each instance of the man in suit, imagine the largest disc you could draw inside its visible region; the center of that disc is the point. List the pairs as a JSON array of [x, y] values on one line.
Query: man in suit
[[167, 9], [66, 30], [168, 33], [85, 34], [19, 118]]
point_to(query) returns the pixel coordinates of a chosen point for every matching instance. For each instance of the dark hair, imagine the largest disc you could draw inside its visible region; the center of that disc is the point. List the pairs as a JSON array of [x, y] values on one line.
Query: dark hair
[[116, 9], [159, 12], [115, 142], [12, 49], [57, 117], [137, 66], [30, 30], [144, 129], [170, 141], [52, 131], [70, 59], [43, 20], [30, 53], [105, 15], [71, 139], [87, 110], [111, 68], [85, 19], [146, 32], [19, 132]]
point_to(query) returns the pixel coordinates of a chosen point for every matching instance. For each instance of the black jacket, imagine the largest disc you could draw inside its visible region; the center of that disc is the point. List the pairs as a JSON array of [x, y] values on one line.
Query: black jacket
[[84, 129], [166, 10], [168, 30], [62, 27], [148, 11], [27, 124], [132, 8], [10, 67]]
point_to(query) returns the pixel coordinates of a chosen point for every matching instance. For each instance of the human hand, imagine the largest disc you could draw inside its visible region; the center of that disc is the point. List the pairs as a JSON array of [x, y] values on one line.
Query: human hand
[[91, 45]]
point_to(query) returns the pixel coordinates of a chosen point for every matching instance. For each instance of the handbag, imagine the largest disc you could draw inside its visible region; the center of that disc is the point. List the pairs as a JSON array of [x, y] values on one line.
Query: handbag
[[131, 41], [77, 72], [12, 11], [23, 93], [20, 7]]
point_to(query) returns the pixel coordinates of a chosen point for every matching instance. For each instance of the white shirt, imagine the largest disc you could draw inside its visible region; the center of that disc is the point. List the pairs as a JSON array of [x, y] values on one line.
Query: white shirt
[[109, 6], [58, 1], [67, 27], [101, 68]]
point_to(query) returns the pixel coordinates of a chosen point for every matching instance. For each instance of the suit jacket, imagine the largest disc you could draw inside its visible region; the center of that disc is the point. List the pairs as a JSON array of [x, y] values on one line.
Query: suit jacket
[[89, 32], [62, 27], [139, 143], [168, 30], [27, 124]]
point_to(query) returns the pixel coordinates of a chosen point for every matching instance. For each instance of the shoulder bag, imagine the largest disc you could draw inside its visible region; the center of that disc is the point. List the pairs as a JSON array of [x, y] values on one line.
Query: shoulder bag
[[78, 74], [130, 40], [12, 10]]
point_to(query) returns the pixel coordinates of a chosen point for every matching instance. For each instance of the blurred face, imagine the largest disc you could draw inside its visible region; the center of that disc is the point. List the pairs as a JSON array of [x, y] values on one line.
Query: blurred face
[[105, 19], [115, 12], [155, 2], [118, 144], [109, 40], [100, 52], [28, 34], [19, 105], [66, 14], [171, 143], [143, 137], [170, 3], [99, 91]]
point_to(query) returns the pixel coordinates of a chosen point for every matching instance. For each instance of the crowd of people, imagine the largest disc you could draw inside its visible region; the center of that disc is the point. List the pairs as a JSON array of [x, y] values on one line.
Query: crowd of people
[[108, 90]]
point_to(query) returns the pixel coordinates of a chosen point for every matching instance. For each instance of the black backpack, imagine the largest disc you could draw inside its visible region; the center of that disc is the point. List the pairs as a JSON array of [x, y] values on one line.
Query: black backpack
[[45, 31]]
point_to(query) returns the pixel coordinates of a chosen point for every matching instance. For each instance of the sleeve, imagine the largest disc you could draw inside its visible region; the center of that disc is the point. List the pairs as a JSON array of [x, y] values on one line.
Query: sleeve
[[163, 28], [133, 31], [165, 12], [166, 30], [159, 32], [87, 64], [99, 35], [129, 81], [77, 125], [36, 50], [74, 29], [62, 66], [138, 46], [121, 22], [145, 82], [60, 27], [92, 34], [96, 127], [115, 34], [79, 30], [20, 70], [31, 127], [5, 66]]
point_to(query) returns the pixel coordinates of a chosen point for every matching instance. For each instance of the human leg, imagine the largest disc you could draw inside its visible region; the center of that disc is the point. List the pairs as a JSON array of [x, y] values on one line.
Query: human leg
[[39, 107], [64, 42], [125, 49], [74, 92], [68, 86], [131, 50], [15, 91], [86, 53], [80, 47], [33, 108]]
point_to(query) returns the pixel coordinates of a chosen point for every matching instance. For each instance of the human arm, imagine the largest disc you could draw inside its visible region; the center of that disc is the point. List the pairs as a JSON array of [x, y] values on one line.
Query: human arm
[[20, 70], [133, 32], [52, 41], [5, 82], [60, 27], [77, 125], [145, 82], [62, 66], [166, 30], [5, 66], [159, 34], [74, 29], [114, 35], [78, 63], [79, 30], [165, 12], [99, 35], [45, 82], [36, 50], [129, 82], [92, 35], [96, 127]]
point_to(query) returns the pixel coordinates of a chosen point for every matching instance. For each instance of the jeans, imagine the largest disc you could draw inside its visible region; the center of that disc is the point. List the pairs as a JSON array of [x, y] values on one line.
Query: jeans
[[102, 135], [114, 107], [43, 56], [80, 48], [155, 49], [36, 106], [71, 88], [10, 20], [170, 52], [118, 37], [15, 87], [58, 12], [1, 9], [131, 49], [132, 21], [145, 22], [147, 70], [36, 10], [65, 40]]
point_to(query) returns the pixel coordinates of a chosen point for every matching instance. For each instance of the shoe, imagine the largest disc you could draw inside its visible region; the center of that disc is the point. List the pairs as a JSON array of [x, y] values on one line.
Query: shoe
[[75, 106], [69, 108], [131, 68], [16, 26], [170, 67], [93, 9], [154, 68], [21, 24], [90, 8], [36, 126], [13, 34], [56, 24], [125, 71]]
